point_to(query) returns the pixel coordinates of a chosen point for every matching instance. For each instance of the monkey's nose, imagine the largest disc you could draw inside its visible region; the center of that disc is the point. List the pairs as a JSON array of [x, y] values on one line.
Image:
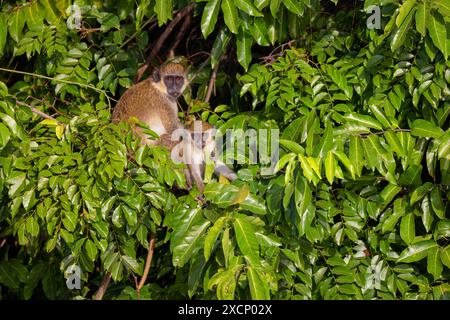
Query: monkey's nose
[[175, 94]]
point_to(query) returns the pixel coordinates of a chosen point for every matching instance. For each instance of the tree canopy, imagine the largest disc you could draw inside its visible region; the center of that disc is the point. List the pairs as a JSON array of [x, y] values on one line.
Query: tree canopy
[[357, 206]]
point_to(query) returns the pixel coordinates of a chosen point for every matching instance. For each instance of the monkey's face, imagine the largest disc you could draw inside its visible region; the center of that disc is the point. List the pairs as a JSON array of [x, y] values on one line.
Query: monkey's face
[[174, 84]]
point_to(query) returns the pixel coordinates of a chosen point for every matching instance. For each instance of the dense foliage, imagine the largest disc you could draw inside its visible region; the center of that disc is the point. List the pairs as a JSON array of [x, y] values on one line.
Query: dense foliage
[[358, 206]]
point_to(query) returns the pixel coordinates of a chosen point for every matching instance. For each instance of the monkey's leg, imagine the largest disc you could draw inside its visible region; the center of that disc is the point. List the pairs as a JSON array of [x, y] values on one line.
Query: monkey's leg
[[196, 174], [222, 169], [188, 176]]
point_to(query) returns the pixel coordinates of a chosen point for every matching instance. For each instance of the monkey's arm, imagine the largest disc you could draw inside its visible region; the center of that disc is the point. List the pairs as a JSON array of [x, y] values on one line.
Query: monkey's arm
[[167, 141]]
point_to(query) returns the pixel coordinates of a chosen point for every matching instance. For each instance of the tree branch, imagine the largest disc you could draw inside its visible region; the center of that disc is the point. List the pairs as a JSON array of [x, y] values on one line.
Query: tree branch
[[186, 24], [36, 111], [103, 286], [212, 81], [148, 262], [183, 12]]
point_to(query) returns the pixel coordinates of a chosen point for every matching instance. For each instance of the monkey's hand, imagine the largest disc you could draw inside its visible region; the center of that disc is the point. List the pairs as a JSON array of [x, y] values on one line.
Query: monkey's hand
[[201, 200]]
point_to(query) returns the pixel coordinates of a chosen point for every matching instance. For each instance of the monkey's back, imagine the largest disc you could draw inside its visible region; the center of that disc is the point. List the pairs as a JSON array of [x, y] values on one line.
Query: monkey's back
[[134, 101], [148, 104]]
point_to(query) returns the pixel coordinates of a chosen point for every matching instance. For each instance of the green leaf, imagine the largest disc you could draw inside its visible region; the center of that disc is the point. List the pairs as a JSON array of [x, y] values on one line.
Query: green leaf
[[131, 263], [404, 10], [70, 220], [399, 36], [8, 276], [5, 135], [408, 228], [219, 46], [346, 162], [356, 154], [424, 128], [294, 130], [330, 167], [261, 4], [116, 216], [294, 6], [107, 205], [28, 200], [427, 214], [66, 235], [394, 143], [274, 7], [109, 21], [226, 285], [116, 270], [253, 204], [16, 22], [248, 7], [437, 203], [230, 15], [445, 256], [259, 32], [421, 18], [244, 43], [434, 264], [246, 238], [212, 236], [325, 143], [389, 192], [363, 120], [209, 17], [163, 9], [305, 209], [417, 252], [222, 195], [444, 147], [438, 33], [52, 14], [91, 249], [32, 227], [420, 192], [398, 212], [185, 239], [292, 146], [3, 32], [15, 128], [130, 215], [259, 289]]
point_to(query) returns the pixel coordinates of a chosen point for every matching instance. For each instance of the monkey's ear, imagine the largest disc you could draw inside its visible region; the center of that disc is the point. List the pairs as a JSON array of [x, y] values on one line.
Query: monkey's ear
[[156, 75]]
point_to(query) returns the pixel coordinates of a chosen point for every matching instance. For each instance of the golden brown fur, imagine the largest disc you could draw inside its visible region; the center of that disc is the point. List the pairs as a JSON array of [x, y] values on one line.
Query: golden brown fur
[[149, 102]]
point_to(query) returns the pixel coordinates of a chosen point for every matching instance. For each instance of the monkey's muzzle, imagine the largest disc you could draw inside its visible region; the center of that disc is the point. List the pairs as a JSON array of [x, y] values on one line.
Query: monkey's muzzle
[[175, 94]]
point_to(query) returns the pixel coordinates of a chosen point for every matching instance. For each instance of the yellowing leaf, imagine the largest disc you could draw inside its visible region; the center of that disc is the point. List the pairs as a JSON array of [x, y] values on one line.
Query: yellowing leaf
[[329, 167], [49, 122], [242, 194], [314, 165], [59, 129], [223, 180]]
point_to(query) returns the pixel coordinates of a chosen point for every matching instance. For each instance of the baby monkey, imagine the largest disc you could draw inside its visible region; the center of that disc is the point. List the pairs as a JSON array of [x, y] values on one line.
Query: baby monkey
[[194, 146]]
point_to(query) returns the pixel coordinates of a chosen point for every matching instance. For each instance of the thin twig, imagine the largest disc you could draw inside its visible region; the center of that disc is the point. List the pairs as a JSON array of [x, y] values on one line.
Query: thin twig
[[36, 111], [183, 12], [103, 286], [212, 81], [273, 55], [148, 262], [47, 104], [186, 24], [2, 243], [62, 81]]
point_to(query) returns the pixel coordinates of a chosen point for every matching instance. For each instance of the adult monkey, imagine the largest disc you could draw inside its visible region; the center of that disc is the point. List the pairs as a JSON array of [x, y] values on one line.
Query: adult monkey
[[154, 102]]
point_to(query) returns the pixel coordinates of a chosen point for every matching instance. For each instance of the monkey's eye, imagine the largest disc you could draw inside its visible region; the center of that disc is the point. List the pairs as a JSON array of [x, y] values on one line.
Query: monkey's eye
[[169, 81], [179, 80]]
